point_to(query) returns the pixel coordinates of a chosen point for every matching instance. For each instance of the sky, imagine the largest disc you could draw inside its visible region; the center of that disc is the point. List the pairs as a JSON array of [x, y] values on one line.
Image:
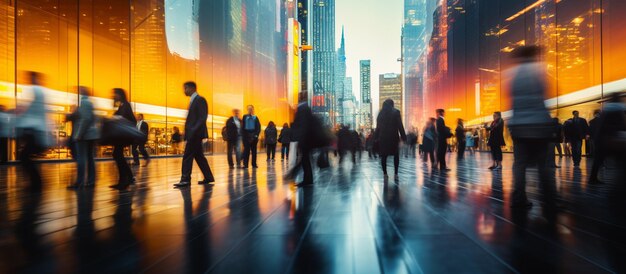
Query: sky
[[372, 31]]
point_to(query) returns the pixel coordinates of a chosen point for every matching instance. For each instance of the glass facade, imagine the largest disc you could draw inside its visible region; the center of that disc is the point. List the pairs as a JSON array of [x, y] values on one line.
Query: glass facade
[[467, 54], [233, 49]]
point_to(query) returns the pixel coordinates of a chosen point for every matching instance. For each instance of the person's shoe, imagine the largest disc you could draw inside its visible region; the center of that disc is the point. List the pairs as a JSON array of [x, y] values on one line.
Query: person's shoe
[[522, 206], [498, 167], [133, 181], [303, 184], [244, 166], [119, 186], [595, 182], [182, 184], [445, 169], [73, 187], [207, 181], [255, 166], [492, 167]]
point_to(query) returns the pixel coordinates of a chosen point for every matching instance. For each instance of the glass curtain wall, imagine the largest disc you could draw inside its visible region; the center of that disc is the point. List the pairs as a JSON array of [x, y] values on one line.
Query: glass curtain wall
[[468, 55], [233, 49]]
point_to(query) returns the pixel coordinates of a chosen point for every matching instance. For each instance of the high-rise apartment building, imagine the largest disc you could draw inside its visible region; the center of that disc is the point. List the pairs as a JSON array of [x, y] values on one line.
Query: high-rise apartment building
[[324, 58], [390, 87], [365, 111]]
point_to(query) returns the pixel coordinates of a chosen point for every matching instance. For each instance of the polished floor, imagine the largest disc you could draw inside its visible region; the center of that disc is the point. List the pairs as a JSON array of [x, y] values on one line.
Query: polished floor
[[351, 221]]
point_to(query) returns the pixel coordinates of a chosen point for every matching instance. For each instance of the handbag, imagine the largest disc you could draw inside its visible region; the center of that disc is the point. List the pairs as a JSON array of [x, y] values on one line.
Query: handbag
[[120, 132]]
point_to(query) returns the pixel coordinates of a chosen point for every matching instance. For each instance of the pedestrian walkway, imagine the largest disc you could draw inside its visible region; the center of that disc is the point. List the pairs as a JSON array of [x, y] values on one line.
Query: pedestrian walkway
[[351, 221]]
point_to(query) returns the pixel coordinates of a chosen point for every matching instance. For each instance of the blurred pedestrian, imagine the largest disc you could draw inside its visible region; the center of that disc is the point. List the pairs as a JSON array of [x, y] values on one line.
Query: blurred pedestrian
[[271, 138], [141, 146], [72, 117], [195, 132], [558, 128], [85, 136], [576, 130], [5, 133], [32, 127], [593, 128], [233, 139], [284, 138], [369, 145], [459, 133], [469, 142], [443, 133], [411, 142], [356, 145], [531, 127], [429, 141], [344, 141], [124, 111], [496, 139], [389, 133], [175, 140], [308, 131], [250, 136], [554, 143]]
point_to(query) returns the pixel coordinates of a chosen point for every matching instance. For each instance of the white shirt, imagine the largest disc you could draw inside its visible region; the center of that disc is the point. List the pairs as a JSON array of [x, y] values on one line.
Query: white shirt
[[192, 97], [139, 124], [237, 123]]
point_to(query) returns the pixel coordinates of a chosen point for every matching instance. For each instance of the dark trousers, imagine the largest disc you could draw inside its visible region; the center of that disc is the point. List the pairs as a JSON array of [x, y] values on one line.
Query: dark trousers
[[430, 153], [30, 149], [550, 158], [284, 151], [4, 150], [577, 146], [559, 149], [194, 151], [531, 152], [441, 154], [496, 152], [270, 149], [460, 150], [233, 147], [139, 148], [125, 174], [307, 168], [249, 150], [396, 162], [598, 160], [85, 159]]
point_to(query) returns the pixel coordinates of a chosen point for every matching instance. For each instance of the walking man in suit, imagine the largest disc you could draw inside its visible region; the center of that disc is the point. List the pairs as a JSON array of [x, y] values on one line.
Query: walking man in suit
[[141, 147], [195, 132], [576, 131], [442, 142], [250, 136], [233, 138]]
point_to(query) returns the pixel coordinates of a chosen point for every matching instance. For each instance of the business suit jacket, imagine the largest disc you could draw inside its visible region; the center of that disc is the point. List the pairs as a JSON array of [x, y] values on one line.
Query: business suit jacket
[[144, 128], [249, 135], [232, 132], [576, 130], [443, 132], [126, 111], [85, 122], [195, 125]]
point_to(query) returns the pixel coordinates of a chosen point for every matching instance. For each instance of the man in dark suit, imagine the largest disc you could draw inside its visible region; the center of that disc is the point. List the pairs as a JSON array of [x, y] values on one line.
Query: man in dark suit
[[141, 147], [250, 136], [442, 142], [576, 130], [195, 132], [233, 138]]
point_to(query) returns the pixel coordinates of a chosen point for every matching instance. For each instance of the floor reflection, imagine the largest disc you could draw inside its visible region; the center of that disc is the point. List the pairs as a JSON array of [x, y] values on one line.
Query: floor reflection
[[352, 220]]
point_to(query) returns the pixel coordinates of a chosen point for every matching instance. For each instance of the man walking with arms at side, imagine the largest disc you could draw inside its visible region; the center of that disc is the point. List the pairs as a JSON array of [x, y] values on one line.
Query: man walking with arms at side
[[250, 136], [141, 147], [195, 132], [233, 138], [576, 130]]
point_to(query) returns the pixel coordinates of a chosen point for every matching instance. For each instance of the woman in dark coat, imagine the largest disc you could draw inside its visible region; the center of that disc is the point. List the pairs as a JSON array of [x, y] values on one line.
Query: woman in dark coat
[[284, 138], [388, 134], [496, 140], [270, 140], [124, 111]]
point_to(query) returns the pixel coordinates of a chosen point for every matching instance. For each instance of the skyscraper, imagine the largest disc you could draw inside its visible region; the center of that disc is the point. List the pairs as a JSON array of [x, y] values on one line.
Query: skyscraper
[[340, 80], [413, 46], [365, 115], [303, 19], [390, 87], [324, 57]]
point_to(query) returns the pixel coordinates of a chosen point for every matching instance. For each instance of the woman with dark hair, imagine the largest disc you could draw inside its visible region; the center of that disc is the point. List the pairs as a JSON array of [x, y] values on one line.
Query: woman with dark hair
[[124, 111], [284, 138], [388, 134], [496, 140], [270, 140]]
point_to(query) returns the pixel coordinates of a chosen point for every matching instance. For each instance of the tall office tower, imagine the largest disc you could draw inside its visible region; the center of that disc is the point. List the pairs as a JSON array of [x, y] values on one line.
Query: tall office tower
[[390, 87], [340, 79], [349, 104], [324, 57], [303, 19], [413, 46], [365, 112]]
